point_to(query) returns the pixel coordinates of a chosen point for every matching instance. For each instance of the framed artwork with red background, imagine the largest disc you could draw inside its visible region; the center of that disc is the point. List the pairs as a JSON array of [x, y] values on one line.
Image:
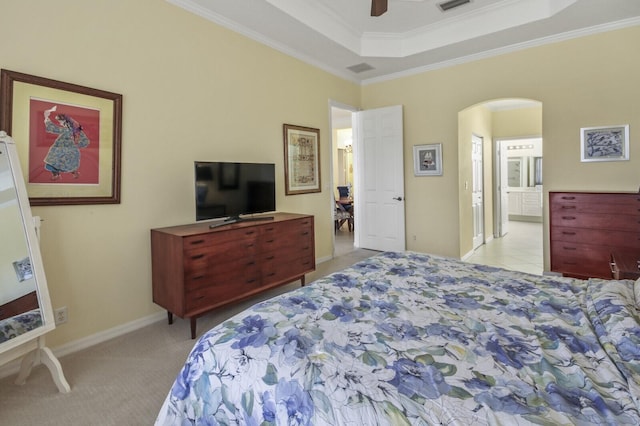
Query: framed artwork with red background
[[68, 138]]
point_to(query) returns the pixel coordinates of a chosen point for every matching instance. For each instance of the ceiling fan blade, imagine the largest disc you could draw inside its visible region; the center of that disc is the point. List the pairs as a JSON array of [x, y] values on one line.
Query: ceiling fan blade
[[378, 7]]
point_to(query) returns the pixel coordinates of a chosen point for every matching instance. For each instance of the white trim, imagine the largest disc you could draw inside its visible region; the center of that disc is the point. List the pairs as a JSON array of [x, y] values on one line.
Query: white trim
[[467, 255], [205, 13], [626, 23]]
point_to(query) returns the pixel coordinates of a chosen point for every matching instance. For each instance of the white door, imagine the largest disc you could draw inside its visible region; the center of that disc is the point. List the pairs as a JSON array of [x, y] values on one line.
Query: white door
[[379, 179], [502, 190], [477, 194]]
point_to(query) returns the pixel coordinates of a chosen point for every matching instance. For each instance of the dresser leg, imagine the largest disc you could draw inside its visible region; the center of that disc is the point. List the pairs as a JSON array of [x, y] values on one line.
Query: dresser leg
[[170, 317], [193, 327], [302, 281]]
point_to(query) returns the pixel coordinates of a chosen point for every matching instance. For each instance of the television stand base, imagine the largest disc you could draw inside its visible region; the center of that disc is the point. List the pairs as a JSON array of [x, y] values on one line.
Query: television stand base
[[239, 220]]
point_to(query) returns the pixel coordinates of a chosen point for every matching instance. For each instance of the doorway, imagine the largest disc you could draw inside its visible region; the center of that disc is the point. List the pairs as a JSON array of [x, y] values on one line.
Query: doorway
[[378, 183], [477, 193], [511, 120], [518, 183], [342, 170]]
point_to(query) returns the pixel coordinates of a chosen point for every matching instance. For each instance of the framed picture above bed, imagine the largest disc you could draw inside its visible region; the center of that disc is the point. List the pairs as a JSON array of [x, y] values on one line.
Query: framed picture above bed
[[427, 160], [604, 143]]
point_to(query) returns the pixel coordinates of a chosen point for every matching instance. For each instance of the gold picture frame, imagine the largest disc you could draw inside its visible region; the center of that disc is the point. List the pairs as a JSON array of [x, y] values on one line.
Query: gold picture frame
[[68, 138], [301, 159]]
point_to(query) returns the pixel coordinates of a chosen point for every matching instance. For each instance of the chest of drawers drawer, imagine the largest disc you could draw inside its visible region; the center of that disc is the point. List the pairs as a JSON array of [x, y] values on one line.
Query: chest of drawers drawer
[[601, 237], [595, 202], [289, 240], [579, 267], [611, 221]]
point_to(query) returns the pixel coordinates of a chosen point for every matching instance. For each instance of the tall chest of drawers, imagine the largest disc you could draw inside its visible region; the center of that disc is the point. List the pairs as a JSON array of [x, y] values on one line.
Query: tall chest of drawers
[[587, 227], [196, 269]]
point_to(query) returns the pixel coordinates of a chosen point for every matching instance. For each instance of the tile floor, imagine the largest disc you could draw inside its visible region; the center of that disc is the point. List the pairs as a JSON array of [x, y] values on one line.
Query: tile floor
[[520, 249]]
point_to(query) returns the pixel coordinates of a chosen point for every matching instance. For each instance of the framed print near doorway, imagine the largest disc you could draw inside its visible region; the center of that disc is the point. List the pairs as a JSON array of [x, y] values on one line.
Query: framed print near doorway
[[68, 138], [301, 159]]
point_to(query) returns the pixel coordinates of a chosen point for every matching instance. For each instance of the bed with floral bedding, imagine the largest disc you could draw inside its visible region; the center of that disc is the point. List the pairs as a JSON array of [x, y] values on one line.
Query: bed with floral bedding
[[413, 339]]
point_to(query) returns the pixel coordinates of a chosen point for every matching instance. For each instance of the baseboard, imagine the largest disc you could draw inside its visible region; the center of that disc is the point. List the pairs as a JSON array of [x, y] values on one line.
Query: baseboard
[[77, 345], [466, 256], [323, 259]]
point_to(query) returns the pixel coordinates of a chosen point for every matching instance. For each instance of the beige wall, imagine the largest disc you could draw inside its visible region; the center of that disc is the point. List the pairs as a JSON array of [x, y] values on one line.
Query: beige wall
[[591, 81], [195, 91], [192, 91], [517, 123]]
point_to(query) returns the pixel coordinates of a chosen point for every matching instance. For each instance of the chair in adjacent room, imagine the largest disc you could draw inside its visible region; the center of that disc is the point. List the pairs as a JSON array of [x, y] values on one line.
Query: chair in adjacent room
[[343, 192], [344, 197], [342, 215]]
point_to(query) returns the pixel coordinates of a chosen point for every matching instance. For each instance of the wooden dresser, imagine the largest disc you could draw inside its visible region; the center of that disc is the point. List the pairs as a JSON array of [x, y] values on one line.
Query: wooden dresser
[[196, 269], [587, 227]]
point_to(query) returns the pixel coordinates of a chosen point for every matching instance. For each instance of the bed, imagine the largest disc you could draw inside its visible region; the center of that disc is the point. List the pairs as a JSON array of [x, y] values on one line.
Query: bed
[[414, 339]]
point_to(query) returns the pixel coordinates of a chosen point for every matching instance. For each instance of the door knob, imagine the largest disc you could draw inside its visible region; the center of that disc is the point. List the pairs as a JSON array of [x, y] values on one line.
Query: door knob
[[397, 198]]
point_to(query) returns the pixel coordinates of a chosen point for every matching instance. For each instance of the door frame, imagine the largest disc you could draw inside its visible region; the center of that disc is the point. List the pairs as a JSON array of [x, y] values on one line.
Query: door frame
[[336, 105], [498, 172], [477, 178], [500, 149]]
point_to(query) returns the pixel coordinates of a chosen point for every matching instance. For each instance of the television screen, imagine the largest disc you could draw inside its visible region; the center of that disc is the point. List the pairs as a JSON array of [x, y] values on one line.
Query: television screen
[[228, 190]]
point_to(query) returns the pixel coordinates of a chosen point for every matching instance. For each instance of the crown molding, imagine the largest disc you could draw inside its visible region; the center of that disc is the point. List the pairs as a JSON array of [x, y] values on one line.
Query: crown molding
[[625, 23], [205, 13]]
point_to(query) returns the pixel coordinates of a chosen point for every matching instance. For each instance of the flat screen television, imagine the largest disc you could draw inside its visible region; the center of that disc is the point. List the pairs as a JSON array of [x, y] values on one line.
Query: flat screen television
[[232, 190]]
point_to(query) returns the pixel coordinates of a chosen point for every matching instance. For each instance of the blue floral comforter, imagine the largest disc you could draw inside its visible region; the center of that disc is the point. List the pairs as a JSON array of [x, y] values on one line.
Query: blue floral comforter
[[413, 339]]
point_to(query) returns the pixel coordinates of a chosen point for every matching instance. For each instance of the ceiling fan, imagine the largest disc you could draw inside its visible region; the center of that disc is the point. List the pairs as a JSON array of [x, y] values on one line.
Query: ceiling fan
[[378, 7]]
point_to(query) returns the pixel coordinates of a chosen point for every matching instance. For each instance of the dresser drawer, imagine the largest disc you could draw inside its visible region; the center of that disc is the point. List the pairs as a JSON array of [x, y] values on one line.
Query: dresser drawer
[[625, 265], [611, 221], [287, 238], [588, 252], [580, 267], [596, 202], [242, 270], [596, 236], [220, 238], [200, 258], [576, 208], [280, 268], [218, 294]]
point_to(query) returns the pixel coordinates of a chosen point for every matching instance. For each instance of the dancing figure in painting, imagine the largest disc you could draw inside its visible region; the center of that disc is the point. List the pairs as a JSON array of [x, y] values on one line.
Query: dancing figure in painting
[[64, 153]]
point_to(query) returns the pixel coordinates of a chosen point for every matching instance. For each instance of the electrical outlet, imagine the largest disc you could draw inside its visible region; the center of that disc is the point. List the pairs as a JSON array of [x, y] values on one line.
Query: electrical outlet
[[60, 315]]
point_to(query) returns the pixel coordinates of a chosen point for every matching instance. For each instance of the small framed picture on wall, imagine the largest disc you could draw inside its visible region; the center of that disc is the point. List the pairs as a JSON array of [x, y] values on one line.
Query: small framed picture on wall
[[427, 160], [604, 143]]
